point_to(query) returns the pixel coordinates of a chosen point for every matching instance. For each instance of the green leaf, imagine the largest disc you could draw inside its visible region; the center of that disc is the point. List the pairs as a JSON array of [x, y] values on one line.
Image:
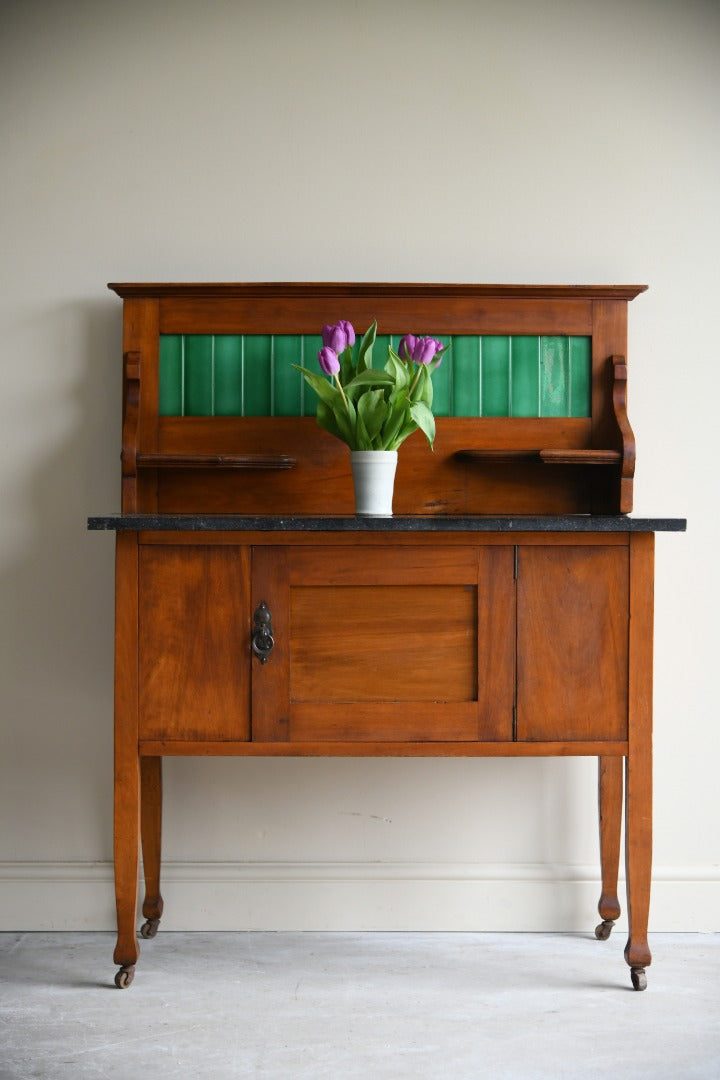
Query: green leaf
[[328, 421], [424, 420], [398, 370], [407, 429], [362, 438], [397, 418], [347, 368], [324, 389], [373, 409], [339, 423], [426, 392], [366, 347], [366, 379], [349, 418]]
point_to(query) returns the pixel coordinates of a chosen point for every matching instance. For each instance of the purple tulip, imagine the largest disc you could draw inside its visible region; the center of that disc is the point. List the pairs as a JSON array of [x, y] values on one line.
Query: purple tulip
[[337, 336], [348, 328], [328, 360], [407, 346], [425, 349]]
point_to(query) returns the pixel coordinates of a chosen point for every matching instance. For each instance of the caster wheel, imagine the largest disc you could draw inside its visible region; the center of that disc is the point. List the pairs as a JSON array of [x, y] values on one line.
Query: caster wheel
[[150, 928], [124, 977], [602, 932], [639, 978]]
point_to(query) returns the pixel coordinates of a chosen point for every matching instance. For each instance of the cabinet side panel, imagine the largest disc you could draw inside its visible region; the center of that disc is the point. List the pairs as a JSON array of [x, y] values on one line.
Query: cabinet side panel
[[572, 643], [194, 623]]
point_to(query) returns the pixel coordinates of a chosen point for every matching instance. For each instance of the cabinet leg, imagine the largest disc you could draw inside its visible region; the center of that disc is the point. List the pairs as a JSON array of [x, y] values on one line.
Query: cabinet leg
[[151, 834], [638, 765], [638, 848], [127, 820], [610, 792]]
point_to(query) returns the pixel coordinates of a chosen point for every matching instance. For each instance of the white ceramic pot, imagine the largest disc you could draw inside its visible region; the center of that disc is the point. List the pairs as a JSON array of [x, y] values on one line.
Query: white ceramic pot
[[374, 477]]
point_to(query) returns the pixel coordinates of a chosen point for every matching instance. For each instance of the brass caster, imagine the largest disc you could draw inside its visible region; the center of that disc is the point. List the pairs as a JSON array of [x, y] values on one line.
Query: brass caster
[[639, 978], [149, 928], [602, 932], [124, 977]]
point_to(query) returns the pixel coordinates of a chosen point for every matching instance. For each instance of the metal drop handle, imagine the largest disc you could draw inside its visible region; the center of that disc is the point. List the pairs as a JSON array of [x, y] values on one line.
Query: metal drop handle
[[262, 639]]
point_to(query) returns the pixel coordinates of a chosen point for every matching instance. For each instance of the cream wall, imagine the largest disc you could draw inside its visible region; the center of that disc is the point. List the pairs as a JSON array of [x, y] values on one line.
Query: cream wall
[[505, 141]]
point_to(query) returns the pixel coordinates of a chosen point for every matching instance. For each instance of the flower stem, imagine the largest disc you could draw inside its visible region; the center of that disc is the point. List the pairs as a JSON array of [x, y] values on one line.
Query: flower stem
[[342, 393], [414, 383]]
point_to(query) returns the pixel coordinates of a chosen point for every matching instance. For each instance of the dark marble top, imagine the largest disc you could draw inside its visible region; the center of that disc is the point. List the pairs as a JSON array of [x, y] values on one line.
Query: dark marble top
[[243, 523]]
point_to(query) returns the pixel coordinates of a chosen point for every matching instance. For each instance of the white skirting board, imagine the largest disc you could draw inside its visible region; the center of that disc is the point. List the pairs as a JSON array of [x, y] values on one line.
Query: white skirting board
[[354, 896]]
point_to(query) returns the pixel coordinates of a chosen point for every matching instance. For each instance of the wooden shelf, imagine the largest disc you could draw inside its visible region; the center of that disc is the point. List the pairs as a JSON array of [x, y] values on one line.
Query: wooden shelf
[[581, 457], [215, 461], [568, 456]]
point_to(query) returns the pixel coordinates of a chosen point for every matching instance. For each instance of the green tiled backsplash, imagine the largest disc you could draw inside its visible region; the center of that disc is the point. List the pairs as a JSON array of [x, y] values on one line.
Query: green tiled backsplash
[[489, 375]]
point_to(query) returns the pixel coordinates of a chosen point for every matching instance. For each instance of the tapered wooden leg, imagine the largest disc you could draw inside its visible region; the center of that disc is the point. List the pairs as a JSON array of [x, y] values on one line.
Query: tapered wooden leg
[[127, 819], [610, 793], [151, 834], [638, 846], [638, 771], [127, 763]]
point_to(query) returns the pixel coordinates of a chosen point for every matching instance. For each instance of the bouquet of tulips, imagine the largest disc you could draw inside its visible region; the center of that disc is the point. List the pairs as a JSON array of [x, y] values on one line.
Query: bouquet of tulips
[[374, 408]]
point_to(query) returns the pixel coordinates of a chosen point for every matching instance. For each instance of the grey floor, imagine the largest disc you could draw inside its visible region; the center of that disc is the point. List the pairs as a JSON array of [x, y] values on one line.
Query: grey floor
[[291, 1006]]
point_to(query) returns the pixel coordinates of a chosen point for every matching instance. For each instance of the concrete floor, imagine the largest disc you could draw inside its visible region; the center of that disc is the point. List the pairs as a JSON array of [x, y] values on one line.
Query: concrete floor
[[351, 1005]]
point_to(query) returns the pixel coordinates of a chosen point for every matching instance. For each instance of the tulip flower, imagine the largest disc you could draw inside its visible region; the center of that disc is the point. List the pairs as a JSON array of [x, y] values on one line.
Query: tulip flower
[[407, 346], [425, 349], [328, 359], [338, 336], [347, 327]]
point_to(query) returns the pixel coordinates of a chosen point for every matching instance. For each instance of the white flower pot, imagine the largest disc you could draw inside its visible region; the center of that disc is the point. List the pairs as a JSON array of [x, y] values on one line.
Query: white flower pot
[[374, 477]]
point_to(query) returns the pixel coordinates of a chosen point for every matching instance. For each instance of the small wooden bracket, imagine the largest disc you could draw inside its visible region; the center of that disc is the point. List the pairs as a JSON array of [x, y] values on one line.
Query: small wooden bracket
[[619, 396]]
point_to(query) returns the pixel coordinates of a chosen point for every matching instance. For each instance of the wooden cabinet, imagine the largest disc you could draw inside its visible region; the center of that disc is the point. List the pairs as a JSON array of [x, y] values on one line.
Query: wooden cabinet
[[517, 642], [505, 611]]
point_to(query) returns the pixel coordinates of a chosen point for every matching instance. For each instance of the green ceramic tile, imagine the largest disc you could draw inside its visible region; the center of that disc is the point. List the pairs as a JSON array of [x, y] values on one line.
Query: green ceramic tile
[[198, 375], [380, 350], [287, 393], [525, 375], [495, 375], [443, 382], [258, 375], [232, 375], [171, 375], [465, 359], [228, 375], [311, 345], [554, 381], [580, 371]]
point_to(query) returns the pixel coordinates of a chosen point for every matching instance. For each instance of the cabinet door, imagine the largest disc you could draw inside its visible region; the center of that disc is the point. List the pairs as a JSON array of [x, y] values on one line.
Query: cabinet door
[[572, 643], [194, 642], [397, 644]]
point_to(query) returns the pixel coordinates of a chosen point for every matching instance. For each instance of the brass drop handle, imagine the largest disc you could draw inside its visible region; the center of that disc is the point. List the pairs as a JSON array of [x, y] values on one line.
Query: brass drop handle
[[262, 639]]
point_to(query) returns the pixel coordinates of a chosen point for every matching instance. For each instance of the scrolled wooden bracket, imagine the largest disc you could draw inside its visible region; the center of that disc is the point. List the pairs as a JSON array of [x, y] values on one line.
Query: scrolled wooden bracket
[[131, 414], [627, 469]]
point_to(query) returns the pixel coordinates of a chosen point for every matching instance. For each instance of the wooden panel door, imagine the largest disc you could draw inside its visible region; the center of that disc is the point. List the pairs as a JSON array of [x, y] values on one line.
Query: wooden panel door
[[387, 644], [572, 643], [194, 642]]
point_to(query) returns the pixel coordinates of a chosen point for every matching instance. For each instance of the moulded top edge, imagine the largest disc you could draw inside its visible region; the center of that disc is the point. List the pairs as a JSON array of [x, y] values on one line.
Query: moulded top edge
[[575, 523], [219, 290]]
